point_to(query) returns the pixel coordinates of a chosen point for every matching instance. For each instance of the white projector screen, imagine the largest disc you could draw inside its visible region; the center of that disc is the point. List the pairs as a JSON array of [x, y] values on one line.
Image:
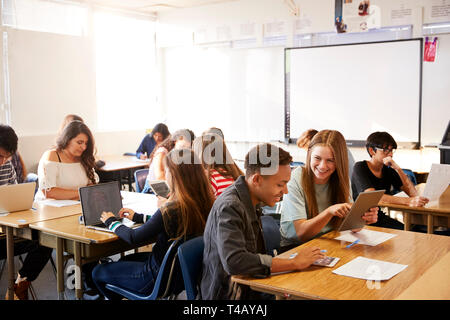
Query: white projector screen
[[356, 89]]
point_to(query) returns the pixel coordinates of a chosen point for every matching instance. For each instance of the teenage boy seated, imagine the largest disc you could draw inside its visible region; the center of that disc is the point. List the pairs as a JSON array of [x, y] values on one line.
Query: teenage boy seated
[[382, 172], [37, 256], [234, 241]]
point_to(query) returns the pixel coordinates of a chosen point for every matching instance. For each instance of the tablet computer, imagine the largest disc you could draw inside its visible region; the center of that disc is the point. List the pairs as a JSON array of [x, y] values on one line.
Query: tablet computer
[[365, 201], [160, 188]]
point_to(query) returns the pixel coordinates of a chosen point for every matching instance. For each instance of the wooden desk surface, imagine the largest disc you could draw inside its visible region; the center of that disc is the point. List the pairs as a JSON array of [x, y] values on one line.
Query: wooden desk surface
[[441, 206], [417, 250], [21, 219], [120, 162], [70, 228]]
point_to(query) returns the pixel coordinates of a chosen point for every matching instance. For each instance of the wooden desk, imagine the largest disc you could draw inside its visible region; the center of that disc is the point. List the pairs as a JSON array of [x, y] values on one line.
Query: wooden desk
[[439, 209], [119, 163], [423, 253], [68, 235], [16, 224]]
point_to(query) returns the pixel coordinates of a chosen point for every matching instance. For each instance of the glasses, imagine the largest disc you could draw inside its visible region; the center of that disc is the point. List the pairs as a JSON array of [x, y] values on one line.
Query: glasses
[[385, 150]]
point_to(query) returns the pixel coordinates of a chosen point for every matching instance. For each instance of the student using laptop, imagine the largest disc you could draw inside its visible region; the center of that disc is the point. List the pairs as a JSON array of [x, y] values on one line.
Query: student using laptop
[[319, 193], [159, 133], [382, 172], [234, 242], [182, 216], [37, 256], [69, 165], [217, 161]]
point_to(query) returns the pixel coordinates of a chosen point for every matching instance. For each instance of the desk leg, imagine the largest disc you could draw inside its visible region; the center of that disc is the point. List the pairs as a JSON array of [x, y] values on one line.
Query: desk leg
[[130, 182], [60, 267], [407, 221], [77, 258], [10, 261], [430, 224]]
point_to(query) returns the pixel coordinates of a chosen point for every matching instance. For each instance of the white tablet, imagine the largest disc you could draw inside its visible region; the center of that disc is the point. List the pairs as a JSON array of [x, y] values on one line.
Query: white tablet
[[365, 201]]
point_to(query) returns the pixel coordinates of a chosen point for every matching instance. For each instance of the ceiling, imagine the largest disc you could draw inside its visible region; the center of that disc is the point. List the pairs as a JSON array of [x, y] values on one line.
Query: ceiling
[[154, 6]]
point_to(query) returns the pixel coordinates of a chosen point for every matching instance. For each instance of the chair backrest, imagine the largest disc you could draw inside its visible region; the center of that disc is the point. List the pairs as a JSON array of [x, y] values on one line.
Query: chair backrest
[[162, 280], [272, 235], [410, 175], [190, 255], [139, 177]]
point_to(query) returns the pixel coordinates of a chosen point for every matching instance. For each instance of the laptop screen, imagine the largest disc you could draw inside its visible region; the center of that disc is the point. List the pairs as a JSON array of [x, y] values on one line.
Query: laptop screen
[[98, 198]]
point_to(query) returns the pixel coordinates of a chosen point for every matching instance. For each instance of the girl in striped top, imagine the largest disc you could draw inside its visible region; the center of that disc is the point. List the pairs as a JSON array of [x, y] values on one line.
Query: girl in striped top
[[222, 171]]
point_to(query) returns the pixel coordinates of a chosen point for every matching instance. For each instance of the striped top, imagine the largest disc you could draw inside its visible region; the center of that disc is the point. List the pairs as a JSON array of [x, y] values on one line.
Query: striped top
[[218, 182], [7, 174]]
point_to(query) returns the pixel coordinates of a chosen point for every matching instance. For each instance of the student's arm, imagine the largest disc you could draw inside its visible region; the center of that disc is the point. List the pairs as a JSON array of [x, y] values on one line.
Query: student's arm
[[304, 258], [306, 229], [61, 194], [140, 152], [406, 201], [407, 186], [159, 166], [146, 232]]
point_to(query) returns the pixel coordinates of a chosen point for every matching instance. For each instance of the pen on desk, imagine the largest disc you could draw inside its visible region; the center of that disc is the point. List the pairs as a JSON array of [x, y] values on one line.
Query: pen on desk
[[33, 208], [353, 243]]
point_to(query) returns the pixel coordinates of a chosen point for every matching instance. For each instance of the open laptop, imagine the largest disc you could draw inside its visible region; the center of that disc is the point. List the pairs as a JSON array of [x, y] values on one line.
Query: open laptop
[[365, 201], [16, 197], [98, 198]]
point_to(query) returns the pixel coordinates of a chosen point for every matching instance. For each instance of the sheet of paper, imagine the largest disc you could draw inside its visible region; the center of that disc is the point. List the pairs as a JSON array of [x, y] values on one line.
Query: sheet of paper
[[58, 203], [370, 269], [365, 236], [139, 202], [437, 181]]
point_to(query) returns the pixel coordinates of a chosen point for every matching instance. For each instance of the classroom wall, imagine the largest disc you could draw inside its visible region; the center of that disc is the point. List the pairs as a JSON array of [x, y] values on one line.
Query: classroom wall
[[183, 27], [319, 17]]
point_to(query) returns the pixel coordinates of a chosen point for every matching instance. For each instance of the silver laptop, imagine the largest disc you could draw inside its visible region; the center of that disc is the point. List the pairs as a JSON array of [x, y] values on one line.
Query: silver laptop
[[365, 201], [16, 197], [98, 198]]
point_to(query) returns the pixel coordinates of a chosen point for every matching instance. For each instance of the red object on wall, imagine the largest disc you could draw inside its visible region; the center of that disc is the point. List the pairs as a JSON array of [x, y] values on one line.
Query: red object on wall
[[430, 50]]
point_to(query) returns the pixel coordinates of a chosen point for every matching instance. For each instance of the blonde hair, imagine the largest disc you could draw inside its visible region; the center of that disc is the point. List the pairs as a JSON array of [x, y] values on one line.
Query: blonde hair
[[339, 179]]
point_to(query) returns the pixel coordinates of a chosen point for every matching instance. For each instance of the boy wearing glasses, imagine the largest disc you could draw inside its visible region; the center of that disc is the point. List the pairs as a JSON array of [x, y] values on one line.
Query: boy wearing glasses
[[382, 172]]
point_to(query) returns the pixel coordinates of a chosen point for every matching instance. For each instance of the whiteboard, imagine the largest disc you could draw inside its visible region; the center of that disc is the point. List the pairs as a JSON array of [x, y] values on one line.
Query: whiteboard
[[237, 90], [356, 89]]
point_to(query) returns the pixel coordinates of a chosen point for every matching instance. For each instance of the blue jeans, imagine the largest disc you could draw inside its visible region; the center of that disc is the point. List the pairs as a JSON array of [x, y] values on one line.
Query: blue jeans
[[135, 272]]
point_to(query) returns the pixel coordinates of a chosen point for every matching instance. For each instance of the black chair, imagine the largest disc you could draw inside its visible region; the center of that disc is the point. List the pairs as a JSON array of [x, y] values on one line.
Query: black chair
[[272, 235], [162, 283], [139, 177], [190, 256]]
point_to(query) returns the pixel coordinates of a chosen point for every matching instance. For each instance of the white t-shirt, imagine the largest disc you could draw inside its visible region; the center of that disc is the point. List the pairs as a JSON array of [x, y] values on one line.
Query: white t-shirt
[[61, 175]]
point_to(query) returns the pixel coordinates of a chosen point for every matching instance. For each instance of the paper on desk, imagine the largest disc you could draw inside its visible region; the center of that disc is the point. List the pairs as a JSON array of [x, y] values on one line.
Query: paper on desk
[[437, 181], [58, 203], [370, 269], [140, 203], [365, 236]]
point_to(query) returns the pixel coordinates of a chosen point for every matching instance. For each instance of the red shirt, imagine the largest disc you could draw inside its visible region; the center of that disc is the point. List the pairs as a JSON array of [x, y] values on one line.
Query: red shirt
[[219, 183]]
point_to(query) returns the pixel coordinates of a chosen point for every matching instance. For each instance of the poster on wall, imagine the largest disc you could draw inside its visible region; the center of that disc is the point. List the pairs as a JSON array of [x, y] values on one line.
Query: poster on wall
[[437, 11], [360, 15], [399, 13]]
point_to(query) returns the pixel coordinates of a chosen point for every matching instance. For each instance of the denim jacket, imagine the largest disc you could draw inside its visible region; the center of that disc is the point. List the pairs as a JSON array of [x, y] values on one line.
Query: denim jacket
[[234, 244]]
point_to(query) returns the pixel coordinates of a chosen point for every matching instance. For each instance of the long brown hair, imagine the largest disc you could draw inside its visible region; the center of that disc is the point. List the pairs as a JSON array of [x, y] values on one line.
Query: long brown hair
[[219, 158], [191, 192], [70, 131], [339, 179]]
